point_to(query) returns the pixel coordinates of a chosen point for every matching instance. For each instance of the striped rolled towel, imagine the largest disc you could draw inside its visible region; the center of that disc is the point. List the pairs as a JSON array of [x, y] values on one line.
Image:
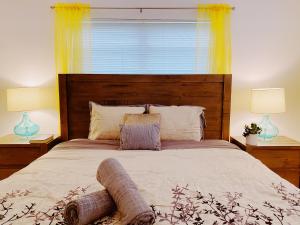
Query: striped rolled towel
[[132, 207], [89, 208]]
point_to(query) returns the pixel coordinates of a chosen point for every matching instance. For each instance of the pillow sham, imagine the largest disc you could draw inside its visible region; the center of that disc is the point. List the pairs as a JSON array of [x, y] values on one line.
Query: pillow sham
[[140, 131], [179, 122], [202, 117], [105, 120]]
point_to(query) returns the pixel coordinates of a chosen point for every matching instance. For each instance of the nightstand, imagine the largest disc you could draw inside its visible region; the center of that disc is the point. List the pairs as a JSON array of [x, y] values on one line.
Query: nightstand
[[17, 152], [281, 154]]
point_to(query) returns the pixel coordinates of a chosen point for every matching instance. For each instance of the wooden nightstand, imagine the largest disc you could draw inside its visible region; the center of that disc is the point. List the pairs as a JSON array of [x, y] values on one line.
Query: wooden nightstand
[[17, 152], [282, 155]]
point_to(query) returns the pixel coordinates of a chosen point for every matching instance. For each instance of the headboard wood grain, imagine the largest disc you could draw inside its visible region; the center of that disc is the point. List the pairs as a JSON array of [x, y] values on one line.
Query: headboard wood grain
[[210, 91]]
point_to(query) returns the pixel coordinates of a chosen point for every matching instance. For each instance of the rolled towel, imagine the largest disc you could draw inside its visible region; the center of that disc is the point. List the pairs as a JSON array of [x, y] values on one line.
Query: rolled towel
[[132, 207], [89, 208]]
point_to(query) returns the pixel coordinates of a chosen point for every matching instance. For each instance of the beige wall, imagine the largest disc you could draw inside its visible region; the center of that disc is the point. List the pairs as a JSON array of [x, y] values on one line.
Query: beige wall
[[266, 53]]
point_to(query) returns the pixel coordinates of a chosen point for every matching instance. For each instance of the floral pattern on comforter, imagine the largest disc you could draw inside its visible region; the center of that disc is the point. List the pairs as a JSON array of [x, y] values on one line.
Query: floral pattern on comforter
[[187, 207], [192, 208], [53, 215]]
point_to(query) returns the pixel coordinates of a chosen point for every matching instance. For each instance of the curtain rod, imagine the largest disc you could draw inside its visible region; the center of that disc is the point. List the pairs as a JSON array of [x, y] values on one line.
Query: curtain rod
[[142, 8]]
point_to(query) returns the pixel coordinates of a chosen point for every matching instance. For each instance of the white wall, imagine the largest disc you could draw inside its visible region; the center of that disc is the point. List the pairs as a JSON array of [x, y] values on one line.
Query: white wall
[[266, 53]]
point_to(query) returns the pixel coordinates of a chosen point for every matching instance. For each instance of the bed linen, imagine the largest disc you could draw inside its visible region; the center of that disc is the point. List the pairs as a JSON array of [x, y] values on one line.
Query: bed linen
[[165, 145], [193, 185]]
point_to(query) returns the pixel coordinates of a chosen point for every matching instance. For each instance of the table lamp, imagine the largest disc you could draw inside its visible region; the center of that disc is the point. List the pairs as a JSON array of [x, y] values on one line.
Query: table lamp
[[268, 101], [24, 100]]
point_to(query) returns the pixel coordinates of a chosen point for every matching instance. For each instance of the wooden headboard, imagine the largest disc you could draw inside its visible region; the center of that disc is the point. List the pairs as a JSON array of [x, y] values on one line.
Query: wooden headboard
[[210, 91]]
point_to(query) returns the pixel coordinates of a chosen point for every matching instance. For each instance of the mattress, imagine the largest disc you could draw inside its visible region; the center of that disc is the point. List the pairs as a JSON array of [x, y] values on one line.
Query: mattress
[[209, 182]]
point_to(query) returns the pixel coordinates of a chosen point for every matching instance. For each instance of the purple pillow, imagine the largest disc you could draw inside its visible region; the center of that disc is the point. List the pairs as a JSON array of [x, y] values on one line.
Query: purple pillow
[[144, 136]]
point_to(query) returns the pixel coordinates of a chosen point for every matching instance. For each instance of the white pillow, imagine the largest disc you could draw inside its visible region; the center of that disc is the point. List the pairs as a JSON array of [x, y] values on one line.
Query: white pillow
[[106, 120], [179, 122]]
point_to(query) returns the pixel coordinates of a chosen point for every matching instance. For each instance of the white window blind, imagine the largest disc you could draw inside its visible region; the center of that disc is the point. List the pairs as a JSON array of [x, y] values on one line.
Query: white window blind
[[145, 47]]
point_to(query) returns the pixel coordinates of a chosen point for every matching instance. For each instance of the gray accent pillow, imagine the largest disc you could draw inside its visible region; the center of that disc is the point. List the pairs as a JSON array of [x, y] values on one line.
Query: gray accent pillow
[[144, 136]]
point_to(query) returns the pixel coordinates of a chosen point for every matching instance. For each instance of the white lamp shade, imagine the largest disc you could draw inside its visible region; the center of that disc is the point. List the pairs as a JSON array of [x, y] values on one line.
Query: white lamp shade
[[27, 99], [268, 100]]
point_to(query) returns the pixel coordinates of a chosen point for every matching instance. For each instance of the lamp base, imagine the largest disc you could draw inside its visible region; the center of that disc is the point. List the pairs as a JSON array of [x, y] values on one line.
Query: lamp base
[[269, 130], [26, 127]]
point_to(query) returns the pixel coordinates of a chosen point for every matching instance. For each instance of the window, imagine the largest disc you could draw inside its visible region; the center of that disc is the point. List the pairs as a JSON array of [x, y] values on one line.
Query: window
[[145, 47]]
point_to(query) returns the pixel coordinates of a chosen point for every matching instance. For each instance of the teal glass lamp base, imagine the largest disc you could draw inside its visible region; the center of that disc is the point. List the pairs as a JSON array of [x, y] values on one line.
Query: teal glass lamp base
[[269, 130], [26, 127]]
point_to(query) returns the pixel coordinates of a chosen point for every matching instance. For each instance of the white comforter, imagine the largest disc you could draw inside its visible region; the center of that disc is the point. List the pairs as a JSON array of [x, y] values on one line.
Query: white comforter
[[211, 186]]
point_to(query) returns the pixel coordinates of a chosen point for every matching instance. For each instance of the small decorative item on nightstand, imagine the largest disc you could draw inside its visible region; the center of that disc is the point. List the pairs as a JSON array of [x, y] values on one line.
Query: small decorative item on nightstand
[[250, 133], [267, 101]]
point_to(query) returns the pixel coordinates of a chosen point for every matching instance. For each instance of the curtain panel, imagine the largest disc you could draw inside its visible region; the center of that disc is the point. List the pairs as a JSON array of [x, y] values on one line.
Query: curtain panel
[[69, 19], [219, 17]]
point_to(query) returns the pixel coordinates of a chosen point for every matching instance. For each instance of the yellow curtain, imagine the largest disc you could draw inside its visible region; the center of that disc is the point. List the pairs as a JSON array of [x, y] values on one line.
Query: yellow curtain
[[219, 18], [69, 18]]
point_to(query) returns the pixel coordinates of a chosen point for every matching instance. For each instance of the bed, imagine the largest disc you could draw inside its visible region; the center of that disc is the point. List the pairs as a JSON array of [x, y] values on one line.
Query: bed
[[209, 182]]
